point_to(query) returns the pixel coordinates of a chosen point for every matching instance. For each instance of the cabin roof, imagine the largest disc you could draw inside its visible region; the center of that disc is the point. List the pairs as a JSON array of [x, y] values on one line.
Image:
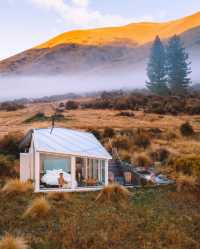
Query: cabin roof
[[67, 141]]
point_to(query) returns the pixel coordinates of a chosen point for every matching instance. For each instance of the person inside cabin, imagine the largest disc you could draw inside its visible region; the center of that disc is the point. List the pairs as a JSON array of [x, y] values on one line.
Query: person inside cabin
[[61, 180]]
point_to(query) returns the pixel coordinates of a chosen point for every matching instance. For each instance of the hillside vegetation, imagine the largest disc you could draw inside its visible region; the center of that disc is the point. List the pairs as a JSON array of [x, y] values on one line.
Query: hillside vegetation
[[150, 218]]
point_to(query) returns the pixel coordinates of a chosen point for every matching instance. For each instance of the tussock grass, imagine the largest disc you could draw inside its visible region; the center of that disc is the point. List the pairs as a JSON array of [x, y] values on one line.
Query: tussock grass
[[185, 183], [58, 196], [10, 242], [39, 207], [17, 186], [113, 192]]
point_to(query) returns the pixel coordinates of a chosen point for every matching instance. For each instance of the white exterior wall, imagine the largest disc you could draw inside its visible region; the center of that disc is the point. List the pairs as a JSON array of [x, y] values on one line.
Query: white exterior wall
[[25, 166], [106, 172], [37, 171], [32, 160]]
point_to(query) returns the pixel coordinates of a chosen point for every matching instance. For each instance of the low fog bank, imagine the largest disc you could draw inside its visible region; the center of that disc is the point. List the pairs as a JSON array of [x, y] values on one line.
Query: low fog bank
[[35, 87]]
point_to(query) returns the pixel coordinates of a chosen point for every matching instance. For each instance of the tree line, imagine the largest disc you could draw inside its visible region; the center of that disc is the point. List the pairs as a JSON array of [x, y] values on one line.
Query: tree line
[[168, 68]]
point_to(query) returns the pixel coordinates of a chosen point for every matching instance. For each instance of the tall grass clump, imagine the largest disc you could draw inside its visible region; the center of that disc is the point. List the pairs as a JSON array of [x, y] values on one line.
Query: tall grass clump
[[39, 207], [142, 139], [10, 242], [185, 183], [113, 193], [17, 186], [142, 160]]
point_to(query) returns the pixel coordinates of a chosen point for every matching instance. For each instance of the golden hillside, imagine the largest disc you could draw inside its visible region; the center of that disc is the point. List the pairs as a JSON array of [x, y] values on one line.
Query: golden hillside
[[132, 34]]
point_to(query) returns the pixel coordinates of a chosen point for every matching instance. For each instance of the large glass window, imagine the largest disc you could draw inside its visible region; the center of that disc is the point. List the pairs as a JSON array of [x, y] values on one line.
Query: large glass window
[[90, 172], [55, 172]]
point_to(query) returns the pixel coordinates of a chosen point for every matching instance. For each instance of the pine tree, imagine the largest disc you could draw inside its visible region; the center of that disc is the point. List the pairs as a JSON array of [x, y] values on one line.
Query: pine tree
[[178, 67], [156, 69]]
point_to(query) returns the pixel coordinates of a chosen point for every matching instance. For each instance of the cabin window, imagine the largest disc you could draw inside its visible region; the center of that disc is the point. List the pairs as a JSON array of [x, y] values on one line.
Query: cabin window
[[90, 172], [55, 172]]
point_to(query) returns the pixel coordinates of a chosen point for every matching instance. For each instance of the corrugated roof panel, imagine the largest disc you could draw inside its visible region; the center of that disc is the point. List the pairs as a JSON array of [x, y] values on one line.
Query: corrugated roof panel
[[68, 141]]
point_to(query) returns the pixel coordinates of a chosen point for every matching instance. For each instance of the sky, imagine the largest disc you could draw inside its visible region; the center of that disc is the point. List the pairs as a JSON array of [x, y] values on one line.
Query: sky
[[27, 23]]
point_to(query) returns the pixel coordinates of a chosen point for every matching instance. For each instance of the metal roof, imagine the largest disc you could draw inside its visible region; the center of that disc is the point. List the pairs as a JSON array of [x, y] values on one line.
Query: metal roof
[[67, 141]]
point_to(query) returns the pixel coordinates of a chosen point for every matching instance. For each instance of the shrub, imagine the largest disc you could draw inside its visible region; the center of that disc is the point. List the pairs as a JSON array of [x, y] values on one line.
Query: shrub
[[71, 105], [160, 155], [16, 186], [126, 114], [125, 156], [39, 208], [10, 144], [142, 160], [188, 165], [186, 183], [10, 242], [186, 129], [113, 192], [40, 116], [109, 132], [11, 106], [58, 117], [7, 166], [58, 196], [142, 139], [121, 142]]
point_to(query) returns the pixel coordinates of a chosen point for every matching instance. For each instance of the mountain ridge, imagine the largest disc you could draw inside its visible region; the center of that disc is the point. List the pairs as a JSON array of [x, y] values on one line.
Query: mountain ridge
[[124, 54], [134, 33]]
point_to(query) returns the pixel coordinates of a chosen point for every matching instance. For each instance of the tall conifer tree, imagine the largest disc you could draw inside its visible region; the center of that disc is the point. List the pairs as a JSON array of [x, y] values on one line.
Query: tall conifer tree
[[178, 67], [156, 69]]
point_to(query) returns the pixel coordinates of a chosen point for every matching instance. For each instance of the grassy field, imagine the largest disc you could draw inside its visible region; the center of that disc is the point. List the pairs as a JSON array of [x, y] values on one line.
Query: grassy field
[[13, 122], [150, 219]]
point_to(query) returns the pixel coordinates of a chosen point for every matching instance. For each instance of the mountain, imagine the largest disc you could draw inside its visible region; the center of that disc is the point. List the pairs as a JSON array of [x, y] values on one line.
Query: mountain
[[130, 35], [112, 51]]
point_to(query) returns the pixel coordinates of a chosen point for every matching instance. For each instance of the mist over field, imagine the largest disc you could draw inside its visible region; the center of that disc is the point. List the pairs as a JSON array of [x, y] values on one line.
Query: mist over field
[[39, 86], [32, 87]]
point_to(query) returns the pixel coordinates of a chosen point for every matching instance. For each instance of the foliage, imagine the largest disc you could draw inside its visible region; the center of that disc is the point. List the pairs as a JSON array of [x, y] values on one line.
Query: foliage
[[185, 183], [71, 105], [11, 106], [156, 69], [186, 129], [113, 192], [188, 165], [178, 67], [14, 186], [7, 166], [142, 139], [126, 114], [160, 155], [142, 160], [10, 242], [40, 207], [121, 142], [108, 132], [9, 145], [40, 116]]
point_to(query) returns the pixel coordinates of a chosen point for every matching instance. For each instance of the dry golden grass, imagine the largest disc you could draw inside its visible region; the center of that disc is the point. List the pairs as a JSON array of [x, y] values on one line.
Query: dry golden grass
[[113, 192], [17, 186], [10, 242], [39, 207], [142, 160], [58, 196], [185, 183]]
